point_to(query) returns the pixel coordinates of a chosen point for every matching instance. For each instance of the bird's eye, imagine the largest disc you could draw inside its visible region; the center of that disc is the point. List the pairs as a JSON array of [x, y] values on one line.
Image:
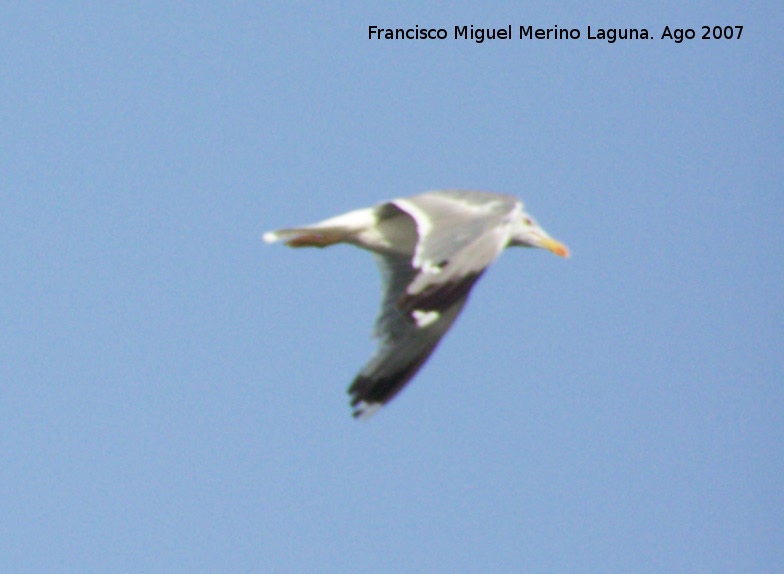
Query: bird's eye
[[528, 221]]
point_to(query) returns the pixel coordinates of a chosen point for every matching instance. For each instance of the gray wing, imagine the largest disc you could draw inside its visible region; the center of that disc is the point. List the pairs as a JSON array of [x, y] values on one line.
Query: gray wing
[[459, 235]]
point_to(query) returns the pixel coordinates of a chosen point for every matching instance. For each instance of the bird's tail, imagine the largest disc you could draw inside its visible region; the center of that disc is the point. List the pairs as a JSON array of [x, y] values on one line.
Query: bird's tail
[[325, 233], [306, 236]]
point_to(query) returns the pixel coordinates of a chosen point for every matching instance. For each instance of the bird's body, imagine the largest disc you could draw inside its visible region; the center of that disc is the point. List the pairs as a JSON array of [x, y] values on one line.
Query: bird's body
[[431, 249]]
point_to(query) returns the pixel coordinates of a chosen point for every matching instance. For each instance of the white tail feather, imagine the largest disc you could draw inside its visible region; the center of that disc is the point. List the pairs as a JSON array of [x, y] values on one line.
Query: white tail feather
[[281, 234]]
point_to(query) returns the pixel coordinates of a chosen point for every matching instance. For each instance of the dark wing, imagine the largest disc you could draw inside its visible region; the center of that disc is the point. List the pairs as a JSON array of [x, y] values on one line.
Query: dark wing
[[405, 343], [459, 235]]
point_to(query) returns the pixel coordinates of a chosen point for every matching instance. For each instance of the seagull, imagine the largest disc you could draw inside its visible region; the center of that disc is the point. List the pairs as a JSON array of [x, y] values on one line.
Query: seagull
[[431, 250]]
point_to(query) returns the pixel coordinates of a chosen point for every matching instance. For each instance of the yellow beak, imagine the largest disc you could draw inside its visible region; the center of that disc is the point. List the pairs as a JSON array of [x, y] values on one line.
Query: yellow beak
[[555, 246]]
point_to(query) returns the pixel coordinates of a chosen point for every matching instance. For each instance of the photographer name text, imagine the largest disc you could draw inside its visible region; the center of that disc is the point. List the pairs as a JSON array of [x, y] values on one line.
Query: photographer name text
[[509, 32]]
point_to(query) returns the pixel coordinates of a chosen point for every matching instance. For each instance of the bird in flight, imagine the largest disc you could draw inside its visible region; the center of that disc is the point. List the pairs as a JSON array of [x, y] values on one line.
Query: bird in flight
[[431, 249]]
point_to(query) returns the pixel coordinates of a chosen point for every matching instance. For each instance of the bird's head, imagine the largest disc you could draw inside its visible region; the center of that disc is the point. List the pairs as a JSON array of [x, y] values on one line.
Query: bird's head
[[527, 233]]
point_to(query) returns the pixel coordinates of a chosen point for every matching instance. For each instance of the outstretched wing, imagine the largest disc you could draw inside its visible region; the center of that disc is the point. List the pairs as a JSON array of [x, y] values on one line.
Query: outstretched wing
[[404, 343], [459, 235]]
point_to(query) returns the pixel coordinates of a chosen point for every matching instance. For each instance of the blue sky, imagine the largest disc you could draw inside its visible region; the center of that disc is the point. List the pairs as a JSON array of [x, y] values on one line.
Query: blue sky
[[172, 390]]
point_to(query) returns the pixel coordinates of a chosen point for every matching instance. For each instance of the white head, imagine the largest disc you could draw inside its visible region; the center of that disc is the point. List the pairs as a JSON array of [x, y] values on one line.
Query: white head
[[527, 233]]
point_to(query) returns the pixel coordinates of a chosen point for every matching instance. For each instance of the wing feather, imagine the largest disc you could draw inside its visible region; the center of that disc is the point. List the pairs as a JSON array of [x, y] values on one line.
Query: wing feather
[[460, 237], [405, 346]]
